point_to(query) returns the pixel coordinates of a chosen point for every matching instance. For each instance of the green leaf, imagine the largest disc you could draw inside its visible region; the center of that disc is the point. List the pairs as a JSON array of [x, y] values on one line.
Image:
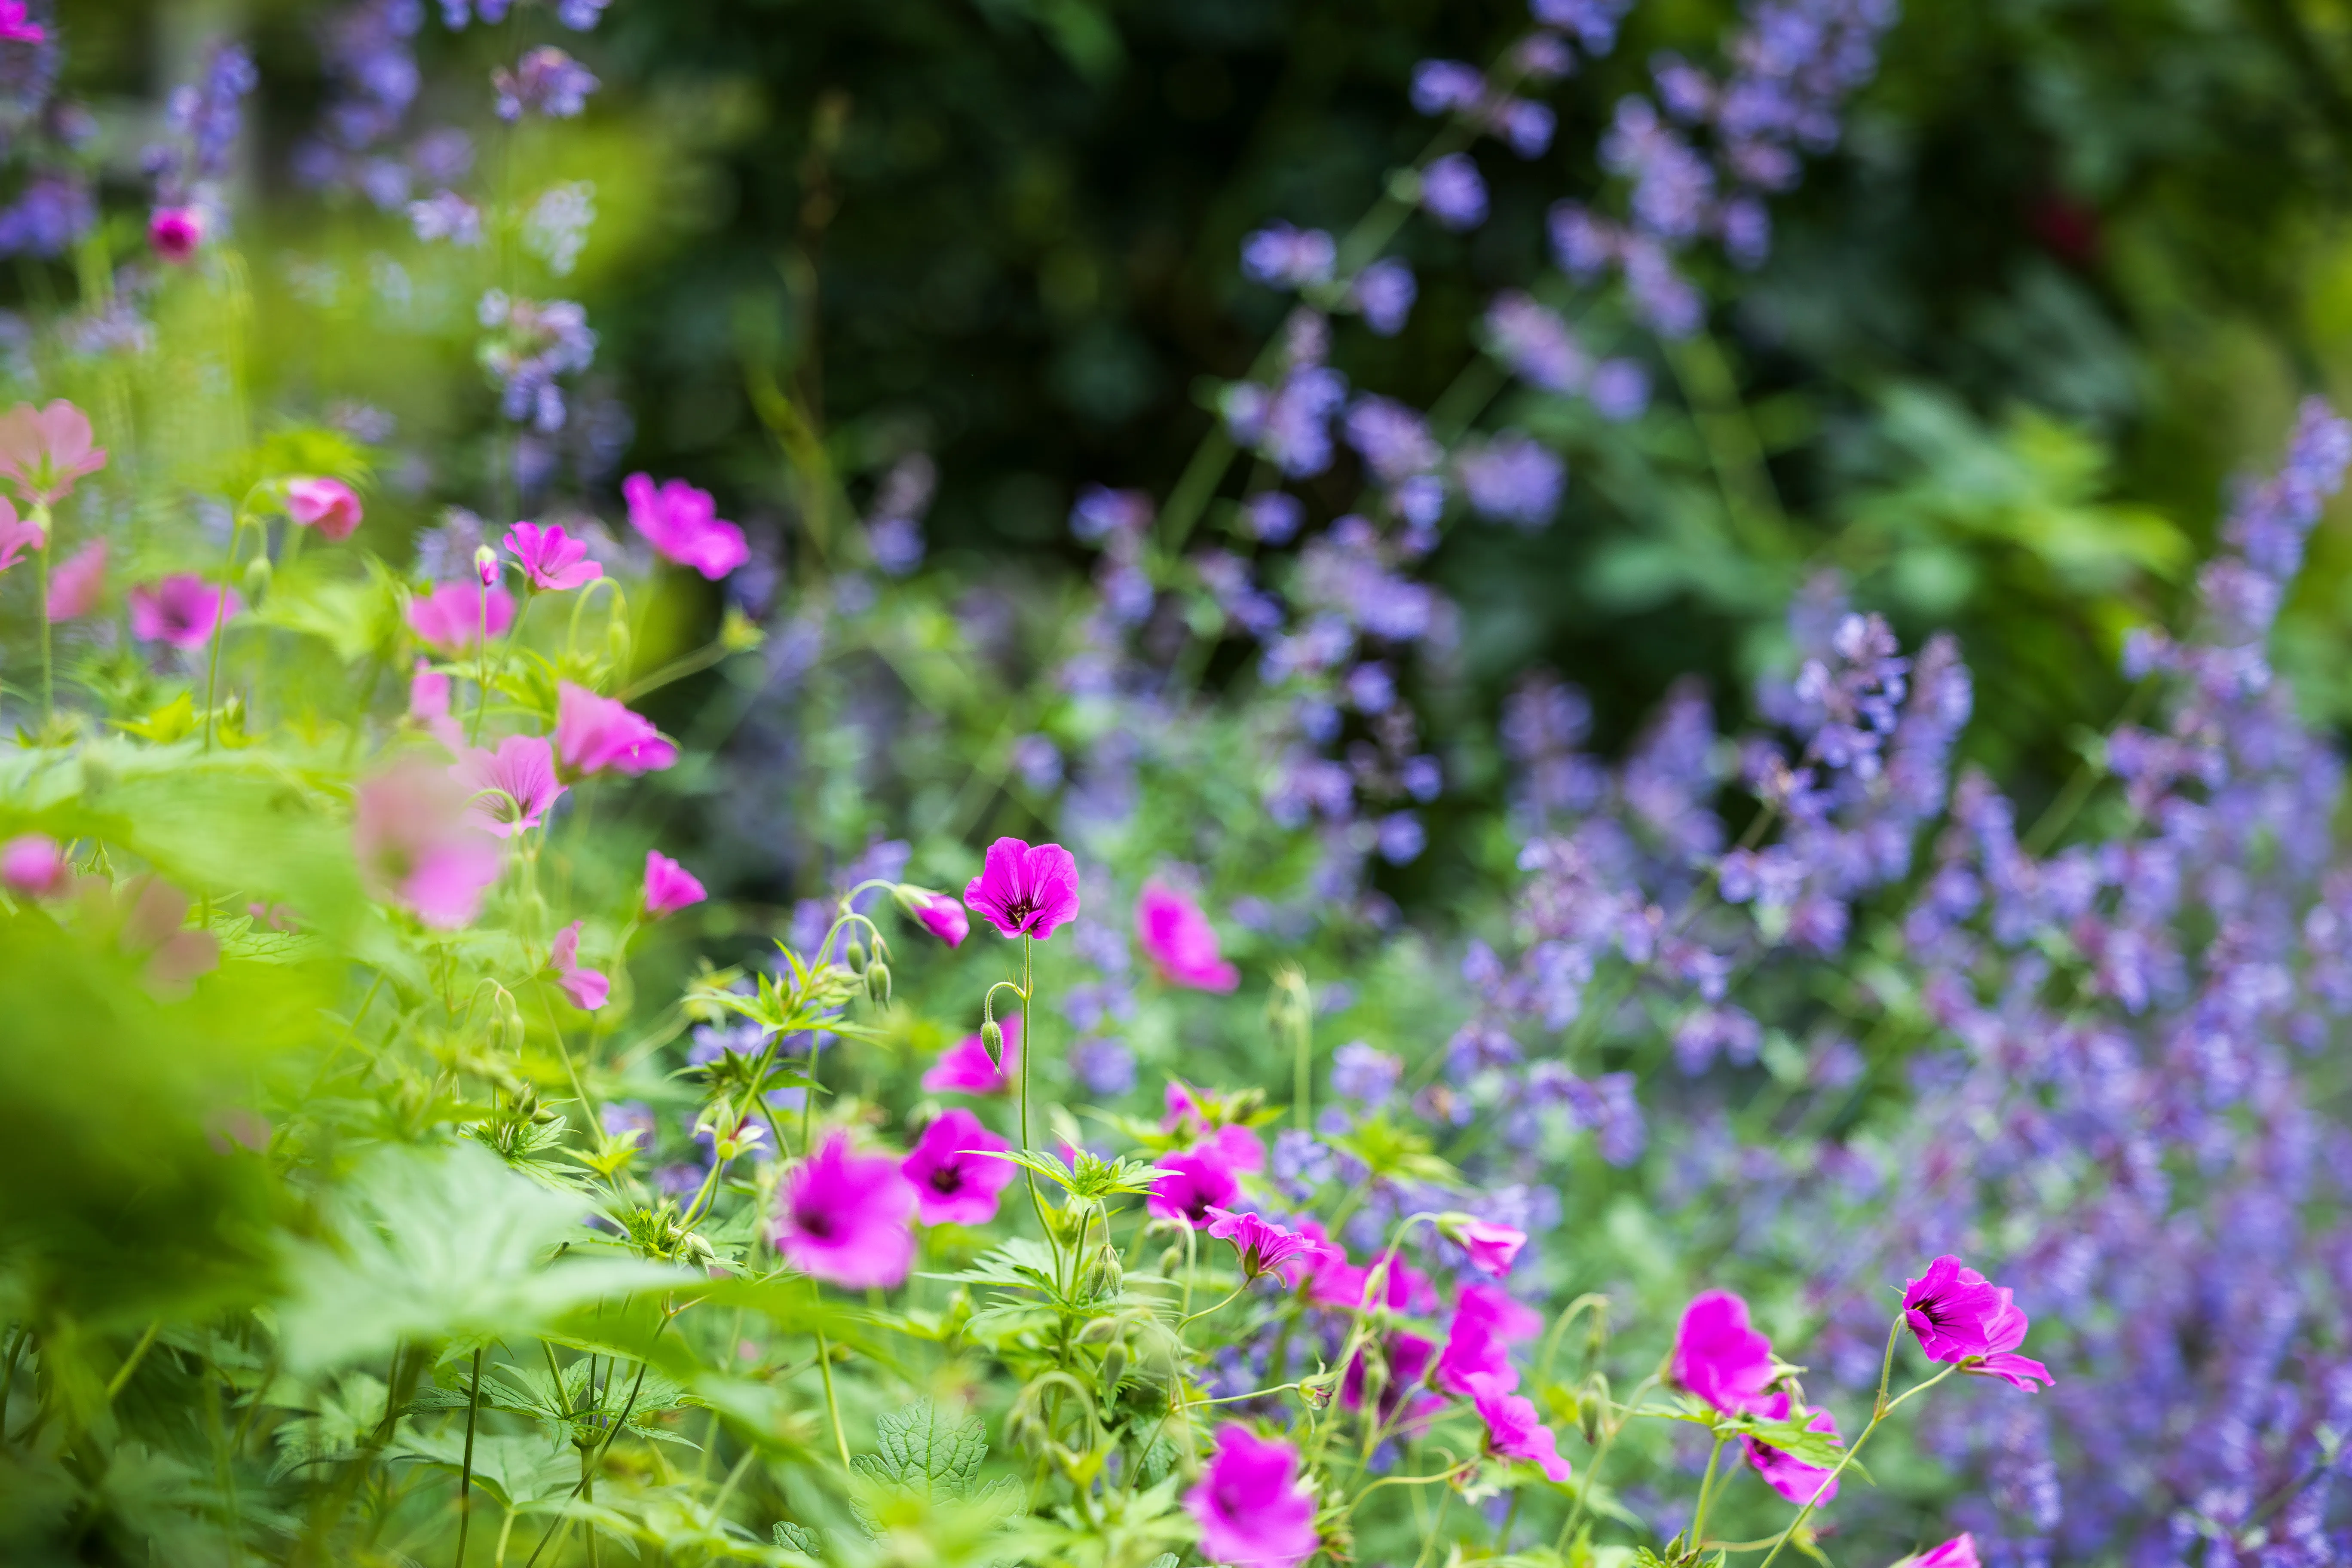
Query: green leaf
[[927, 1453], [798, 1538]]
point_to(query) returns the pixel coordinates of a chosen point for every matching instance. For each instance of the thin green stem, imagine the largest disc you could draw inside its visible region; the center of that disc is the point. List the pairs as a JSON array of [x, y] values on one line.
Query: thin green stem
[[131, 1363], [466, 1474], [832, 1402], [220, 619], [1707, 1489]]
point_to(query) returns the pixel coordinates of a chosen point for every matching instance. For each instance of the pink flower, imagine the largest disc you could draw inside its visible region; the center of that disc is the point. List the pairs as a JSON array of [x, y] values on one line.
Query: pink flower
[[1264, 1247], [966, 1067], [1487, 1321], [429, 705], [1492, 1248], [1192, 1184], [597, 735], [1250, 1505], [1340, 1284], [1959, 1551], [551, 558], [175, 234], [15, 28], [938, 914], [453, 617], [417, 846], [669, 887], [44, 450], [75, 585], [1025, 891], [683, 524], [1958, 1315], [181, 610], [1404, 1359], [588, 989], [1514, 1431], [1180, 942], [1800, 1482], [845, 1218], [955, 1180], [35, 865], [18, 537], [1720, 1356], [511, 787], [1239, 1147], [330, 506]]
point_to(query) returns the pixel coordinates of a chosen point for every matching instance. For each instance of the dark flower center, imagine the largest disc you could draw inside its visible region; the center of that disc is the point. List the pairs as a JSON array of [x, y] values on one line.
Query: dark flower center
[[814, 1223], [948, 1178]]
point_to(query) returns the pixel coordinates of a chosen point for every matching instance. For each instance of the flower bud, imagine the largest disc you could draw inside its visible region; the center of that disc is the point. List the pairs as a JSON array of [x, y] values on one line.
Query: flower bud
[[1113, 1367], [877, 983], [992, 1035], [258, 573], [486, 566], [854, 955]]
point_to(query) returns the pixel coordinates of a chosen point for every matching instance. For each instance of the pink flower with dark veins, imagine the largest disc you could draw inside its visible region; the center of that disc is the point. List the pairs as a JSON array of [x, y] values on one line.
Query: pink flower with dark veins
[[847, 1218], [512, 787], [1250, 1505], [1264, 1247], [683, 524], [1720, 1356], [330, 506], [418, 847], [1960, 1316], [588, 988], [453, 615], [1515, 1430], [181, 610], [956, 1178], [1180, 942], [669, 887], [1192, 1183], [1024, 891], [599, 734], [554, 561], [966, 1067], [44, 450]]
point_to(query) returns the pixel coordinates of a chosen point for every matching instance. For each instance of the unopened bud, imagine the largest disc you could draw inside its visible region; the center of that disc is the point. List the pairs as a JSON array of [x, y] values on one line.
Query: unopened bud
[[855, 956], [877, 983], [486, 566], [258, 573], [992, 1035], [1113, 1367]]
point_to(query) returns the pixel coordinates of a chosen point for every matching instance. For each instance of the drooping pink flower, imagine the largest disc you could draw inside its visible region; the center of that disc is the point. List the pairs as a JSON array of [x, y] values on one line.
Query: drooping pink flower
[[966, 1067], [1252, 1509], [1192, 1183], [79, 580], [1487, 1322], [429, 705], [669, 887], [511, 787], [1264, 1247], [588, 988], [181, 610], [1404, 1361], [330, 506], [418, 847], [955, 1178], [16, 27], [599, 734], [17, 536], [1024, 891], [1720, 1356], [1959, 1551], [683, 524], [550, 558], [937, 913], [44, 450], [1958, 1315], [1180, 942], [847, 1218], [1516, 1430], [453, 615], [1793, 1479], [175, 234], [35, 865], [1491, 1247]]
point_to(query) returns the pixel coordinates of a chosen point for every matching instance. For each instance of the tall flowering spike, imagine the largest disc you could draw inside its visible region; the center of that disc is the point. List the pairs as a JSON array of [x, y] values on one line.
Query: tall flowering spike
[[669, 887], [588, 988], [34, 866], [1794, 1480], [511, 787], [1193, 1185], [1720, 1356], [1960, 1316], [1516, 1431], [76, 583], [966, 1067], [1024, 891], [554, 561], [1251, 1507], [682, 523], [330, 506], [417, 848], [181, 610], [1179, 941], [1263, 1246], [599, 734], [453, 615], [44, 450], [847, 1218], [935, 912], [955, 1173]]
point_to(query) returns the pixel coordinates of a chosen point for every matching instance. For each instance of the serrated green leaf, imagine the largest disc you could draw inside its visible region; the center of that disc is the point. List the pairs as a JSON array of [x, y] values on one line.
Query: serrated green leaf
[[927, 1453]]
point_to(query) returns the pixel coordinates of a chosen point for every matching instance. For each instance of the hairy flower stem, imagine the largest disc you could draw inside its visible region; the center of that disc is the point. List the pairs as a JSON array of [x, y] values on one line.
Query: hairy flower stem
[[1707, 1489], [466, 1474], [832, 1402], [1883, 1409], [1028, 1050]]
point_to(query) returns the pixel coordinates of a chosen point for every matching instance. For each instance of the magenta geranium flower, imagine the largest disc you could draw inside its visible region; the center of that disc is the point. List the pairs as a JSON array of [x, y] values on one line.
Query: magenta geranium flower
[[1516, 1431], [1180, 942], [181, 610], [453, 615], [1492, 1248], [966, 1067], [330, 506], [35, 866], [1192, 1183], [1959, 1551], [512, 787], [1253, 1510], [1024, 891], [669, 887], [937, 913], [79, 580], [683, 524], [1405, 1360], [1336, 1282], [417, 846], [1720, 1356], [598, 734], [550, 558], [956, 1179], [1960, 1316], [175, 234], [1800, 1482], [588, 988], [1264, 1247], [16, 27], [847, 1218], [1487, 1322], [44, 450]]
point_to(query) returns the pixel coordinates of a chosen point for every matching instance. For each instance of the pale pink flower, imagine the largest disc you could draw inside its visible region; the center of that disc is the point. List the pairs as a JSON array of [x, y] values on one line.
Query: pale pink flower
[[847, 1218], [953, 1170], [1179, 941], [181, 610], [1960, 1316], [588, 988], [330, 506], [16, 27], [938, 914], [44, 450], [1516, 1431], [175, 234], [17, 536], [77, 583], [1025, 891], [511, 787], [550, 558], [1720, 1356], [35, 865], [453, 615], [1492, 1248], [683, 524], [598, 734], [669, 887], [966, 1067], [429, 705], [1251, 1507], [417, 848], [1793, 1479]]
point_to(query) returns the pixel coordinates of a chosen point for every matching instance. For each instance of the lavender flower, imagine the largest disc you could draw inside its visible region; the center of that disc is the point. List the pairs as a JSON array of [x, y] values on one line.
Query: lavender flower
[[545, 82], [1281, 257], [1512, 479], [1384, 292], [1454, 192]]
